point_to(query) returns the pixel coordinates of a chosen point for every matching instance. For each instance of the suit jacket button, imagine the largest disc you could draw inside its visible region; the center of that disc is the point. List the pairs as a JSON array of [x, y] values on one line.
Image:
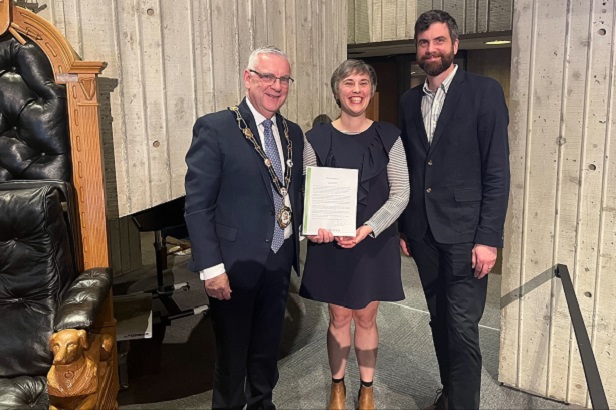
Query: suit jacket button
[[430, 163], [267, 240], [271, 212], [429, 190]]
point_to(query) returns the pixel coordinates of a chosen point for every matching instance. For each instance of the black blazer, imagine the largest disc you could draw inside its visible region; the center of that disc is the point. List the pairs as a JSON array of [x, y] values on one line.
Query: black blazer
[[229, 203], [460, 182]]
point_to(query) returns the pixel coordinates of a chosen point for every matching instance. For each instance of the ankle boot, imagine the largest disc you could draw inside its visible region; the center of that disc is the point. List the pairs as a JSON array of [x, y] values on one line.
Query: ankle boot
[[337, 396], [366, 398]]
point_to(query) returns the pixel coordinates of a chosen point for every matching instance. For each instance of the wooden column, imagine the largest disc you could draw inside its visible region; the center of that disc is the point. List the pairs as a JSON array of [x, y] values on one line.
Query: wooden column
[[88, 177]]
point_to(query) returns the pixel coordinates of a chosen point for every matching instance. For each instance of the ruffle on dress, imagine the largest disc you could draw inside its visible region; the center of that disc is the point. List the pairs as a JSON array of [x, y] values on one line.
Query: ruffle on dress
[[374, 159]]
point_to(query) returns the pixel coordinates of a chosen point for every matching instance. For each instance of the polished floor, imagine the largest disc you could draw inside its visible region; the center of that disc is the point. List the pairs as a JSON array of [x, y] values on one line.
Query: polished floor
[[174, 369]]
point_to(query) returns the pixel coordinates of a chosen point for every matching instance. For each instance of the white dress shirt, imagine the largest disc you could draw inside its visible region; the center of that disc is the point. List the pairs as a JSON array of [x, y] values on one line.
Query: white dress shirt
[[432, 103]]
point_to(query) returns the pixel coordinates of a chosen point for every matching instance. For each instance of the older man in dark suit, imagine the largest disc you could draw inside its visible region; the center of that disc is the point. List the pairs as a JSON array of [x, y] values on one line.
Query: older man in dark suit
[[454, 128], [243, 206]]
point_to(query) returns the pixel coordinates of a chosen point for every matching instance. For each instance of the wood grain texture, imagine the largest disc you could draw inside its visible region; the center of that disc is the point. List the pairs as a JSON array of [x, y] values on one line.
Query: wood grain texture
[[171, 62], [373, 21], [390, 21], [563, 179], [88, 178], [470, 17]]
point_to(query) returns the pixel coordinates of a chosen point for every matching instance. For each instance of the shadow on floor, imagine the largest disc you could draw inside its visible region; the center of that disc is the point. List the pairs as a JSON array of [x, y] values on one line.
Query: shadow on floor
[[175, 368]]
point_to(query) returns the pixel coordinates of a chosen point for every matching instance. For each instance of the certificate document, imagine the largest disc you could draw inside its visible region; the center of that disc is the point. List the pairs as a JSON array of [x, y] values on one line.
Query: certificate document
[[330, 201]]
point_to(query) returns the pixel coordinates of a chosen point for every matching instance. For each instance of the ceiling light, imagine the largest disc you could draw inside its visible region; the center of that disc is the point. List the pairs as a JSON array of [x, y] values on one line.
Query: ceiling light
[[497, 42]]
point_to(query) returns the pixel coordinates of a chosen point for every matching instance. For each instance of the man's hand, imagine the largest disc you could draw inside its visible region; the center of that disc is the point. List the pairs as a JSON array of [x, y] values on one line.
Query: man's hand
[[218, 287], [349, 242], [324, 236], [483, 259], [404, 245]]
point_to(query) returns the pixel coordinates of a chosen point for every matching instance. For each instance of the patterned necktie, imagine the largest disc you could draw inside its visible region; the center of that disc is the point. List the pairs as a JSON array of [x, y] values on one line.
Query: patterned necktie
[[271, 150]]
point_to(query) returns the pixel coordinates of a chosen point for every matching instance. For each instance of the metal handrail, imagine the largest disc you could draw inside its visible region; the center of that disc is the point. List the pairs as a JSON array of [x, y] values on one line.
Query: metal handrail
[[593, 378]]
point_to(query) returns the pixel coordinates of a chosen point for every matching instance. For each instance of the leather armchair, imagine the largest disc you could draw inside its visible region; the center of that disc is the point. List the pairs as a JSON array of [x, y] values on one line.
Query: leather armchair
[[39, 291], [54, 352]]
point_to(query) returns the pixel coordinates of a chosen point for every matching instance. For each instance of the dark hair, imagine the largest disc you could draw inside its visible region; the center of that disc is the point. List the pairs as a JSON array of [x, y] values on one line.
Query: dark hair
[[321, 119], [436, 16], [349, 67]]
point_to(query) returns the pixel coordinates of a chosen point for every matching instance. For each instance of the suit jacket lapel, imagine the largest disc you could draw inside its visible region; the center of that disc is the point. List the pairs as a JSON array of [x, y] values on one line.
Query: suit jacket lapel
[[247, 115], [252, 124], [418, 117], [451, 101]]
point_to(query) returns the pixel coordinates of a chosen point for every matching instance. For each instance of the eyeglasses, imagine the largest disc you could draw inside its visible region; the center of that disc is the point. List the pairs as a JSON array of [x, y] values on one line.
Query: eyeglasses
[[269, 79]]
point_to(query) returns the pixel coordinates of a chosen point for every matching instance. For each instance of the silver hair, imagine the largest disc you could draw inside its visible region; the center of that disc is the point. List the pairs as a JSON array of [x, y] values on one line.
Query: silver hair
[[252, 60], [348, 68]]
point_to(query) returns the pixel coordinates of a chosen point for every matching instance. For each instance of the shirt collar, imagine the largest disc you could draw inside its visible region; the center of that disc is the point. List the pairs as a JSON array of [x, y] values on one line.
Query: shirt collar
[[259, 118], [444, 85]]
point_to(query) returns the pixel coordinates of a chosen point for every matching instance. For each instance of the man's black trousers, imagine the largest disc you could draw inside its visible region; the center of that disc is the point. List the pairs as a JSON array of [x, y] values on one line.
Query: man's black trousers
[[248, 328], [456, 300]]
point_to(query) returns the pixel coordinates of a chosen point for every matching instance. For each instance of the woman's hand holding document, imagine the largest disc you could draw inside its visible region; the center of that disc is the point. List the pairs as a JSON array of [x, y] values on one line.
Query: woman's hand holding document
[[330, 201]]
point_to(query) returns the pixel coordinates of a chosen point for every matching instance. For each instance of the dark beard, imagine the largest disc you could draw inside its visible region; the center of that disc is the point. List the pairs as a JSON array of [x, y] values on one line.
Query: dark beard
[[435, 68]]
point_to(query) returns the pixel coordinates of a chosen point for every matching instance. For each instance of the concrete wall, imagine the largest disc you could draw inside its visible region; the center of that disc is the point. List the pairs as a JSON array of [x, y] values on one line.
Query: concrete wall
[[173, 61], [563, 196], [371, 21]]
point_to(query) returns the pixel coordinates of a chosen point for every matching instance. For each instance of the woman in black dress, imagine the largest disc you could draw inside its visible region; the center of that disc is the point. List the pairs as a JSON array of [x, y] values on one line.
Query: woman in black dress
[[352, 274]]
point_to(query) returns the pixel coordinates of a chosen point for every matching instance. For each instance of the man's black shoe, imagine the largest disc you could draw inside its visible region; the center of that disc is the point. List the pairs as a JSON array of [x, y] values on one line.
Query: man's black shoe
[[440, 401]]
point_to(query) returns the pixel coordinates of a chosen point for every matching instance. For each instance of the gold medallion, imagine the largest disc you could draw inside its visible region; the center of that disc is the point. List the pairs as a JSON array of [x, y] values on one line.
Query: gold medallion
[[284, 216]]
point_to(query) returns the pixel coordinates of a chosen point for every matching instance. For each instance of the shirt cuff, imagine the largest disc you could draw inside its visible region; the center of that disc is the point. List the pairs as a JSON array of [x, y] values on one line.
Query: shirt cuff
[[374, 233], [212, 272]]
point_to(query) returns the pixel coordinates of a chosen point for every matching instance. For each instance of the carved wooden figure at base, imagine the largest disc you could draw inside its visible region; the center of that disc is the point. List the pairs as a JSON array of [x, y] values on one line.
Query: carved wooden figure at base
[[80, 367]]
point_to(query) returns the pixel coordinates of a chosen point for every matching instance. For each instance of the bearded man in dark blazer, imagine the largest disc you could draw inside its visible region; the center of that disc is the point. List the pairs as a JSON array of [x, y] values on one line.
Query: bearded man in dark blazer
[[454, 128], [243, 207]]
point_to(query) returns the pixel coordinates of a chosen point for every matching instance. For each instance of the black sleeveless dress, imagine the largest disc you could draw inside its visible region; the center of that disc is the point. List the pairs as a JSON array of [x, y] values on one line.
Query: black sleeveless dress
[[371, 270]]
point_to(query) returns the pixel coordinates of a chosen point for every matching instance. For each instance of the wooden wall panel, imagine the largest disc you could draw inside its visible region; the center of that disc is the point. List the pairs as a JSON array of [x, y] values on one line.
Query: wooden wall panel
[[373, 21], [171, 62], [562, 199]]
